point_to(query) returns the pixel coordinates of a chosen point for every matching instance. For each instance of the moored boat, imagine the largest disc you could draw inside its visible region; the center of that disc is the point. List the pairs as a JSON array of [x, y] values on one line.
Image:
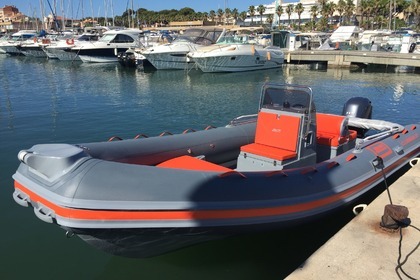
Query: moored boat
[[17, 39], [173, 55], [237, 51], [143, 197], [108, 46]]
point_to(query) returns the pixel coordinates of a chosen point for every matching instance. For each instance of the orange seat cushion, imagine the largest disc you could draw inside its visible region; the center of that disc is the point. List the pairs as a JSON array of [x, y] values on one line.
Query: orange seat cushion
[[331, 130], [192, 163], [279, 131], [276, 136], [329, 124], [267, 151]]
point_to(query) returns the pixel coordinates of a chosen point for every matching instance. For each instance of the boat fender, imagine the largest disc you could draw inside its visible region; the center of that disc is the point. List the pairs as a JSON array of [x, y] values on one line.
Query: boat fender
[[69, 234], [358, 209], [412, 47], [70, 41], [35, 39]]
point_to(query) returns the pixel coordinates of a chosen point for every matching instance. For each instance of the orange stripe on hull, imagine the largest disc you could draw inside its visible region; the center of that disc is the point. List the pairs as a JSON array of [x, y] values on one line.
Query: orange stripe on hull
[[112, 215]]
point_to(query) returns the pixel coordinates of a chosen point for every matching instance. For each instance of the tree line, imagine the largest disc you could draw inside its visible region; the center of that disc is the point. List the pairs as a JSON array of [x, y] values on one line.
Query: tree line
[[370, 14]]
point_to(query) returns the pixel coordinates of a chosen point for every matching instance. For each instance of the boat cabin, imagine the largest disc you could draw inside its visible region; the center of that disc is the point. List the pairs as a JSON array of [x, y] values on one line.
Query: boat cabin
[[291, 134]]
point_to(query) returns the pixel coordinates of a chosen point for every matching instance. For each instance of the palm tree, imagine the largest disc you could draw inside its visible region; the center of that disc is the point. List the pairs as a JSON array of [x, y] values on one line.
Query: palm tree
[[212, 15], [314, 13], [329, 8], [242, 16], [235, 14], [289, 11], [219, 14], [322, 4], [261, 10], [299, 10], [228, 12], [279, 12], [364, 9], [349, 10], [341, 7], [251, 10], [414, 9], [270, 19]]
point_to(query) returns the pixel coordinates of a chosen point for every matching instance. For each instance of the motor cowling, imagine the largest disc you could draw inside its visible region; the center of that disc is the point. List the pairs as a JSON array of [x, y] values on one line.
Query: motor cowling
[[358, 107]]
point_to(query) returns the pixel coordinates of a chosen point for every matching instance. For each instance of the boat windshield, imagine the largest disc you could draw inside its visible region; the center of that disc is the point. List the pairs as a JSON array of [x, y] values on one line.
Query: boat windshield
[[199, 36], [88, 37], [236, 39], [107, 37], [287, 98], [22, 37]]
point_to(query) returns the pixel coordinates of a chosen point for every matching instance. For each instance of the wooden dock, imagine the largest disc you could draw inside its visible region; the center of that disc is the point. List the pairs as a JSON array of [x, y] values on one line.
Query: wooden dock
[[338, 58]]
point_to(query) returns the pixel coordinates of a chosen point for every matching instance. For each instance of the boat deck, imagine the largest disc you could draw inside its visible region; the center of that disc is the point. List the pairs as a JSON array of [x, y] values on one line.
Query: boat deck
[[362, 249]]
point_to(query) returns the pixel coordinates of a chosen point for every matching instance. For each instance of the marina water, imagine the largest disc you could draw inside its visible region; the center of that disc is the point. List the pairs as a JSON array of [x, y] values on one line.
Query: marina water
[[47, 101]]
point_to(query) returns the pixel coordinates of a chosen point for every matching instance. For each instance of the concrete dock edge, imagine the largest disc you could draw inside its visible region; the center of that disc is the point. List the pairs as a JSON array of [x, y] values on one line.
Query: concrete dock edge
[[364, 250]]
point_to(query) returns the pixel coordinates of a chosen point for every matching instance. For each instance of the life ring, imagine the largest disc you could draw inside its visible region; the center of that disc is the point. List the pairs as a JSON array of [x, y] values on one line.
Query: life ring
[[70, 41]]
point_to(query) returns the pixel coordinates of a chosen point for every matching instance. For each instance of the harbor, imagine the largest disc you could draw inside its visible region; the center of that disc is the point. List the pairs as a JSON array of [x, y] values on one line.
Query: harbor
[[86, 102], [281, 142]]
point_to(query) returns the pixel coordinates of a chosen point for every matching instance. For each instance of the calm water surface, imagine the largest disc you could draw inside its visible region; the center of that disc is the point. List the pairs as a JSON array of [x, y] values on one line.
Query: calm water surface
[[45, 101]]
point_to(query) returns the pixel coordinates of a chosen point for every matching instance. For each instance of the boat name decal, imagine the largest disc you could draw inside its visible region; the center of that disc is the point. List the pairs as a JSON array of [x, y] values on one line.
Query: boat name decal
[[410, 139], [380, 149]]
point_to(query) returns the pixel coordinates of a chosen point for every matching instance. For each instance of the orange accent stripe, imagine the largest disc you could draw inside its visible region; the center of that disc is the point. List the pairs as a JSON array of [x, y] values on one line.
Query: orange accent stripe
[[192, 163], [104, 215]]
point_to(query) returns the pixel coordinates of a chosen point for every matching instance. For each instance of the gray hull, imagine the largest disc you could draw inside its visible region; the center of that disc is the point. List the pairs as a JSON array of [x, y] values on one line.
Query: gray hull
[[148, 196]]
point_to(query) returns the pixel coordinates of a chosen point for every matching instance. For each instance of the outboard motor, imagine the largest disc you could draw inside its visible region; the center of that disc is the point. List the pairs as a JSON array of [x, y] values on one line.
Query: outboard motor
[[359, 107]]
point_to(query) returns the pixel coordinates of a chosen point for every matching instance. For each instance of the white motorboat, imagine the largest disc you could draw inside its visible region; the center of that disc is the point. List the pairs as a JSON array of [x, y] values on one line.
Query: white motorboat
[[108, 46], [235, 52], [18, 38], [4, 40], [292, 40], [61, 49], [36, 48], [174, 55]]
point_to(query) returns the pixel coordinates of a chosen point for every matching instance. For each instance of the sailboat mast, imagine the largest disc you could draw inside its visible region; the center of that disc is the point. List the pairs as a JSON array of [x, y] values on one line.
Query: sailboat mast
[[112, 10], [93, 15]]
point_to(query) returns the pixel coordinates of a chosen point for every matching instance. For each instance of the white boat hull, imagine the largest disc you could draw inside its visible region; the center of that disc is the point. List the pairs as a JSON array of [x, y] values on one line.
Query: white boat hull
[[237, 58], [168, 61]]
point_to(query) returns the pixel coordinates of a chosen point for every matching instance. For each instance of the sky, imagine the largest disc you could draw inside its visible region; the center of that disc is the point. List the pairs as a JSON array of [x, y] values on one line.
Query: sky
[[104, 7]]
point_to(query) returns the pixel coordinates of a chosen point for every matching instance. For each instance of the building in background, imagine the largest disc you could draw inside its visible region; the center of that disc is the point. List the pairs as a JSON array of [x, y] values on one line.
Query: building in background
[[12, 20]]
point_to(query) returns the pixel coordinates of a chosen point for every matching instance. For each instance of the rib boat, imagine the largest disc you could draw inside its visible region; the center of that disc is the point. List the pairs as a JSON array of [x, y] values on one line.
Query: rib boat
[[287, 164]]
